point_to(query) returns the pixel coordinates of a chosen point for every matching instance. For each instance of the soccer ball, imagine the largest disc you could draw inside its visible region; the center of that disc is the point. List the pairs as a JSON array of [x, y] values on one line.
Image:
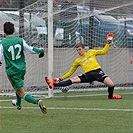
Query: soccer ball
[[64, 89]]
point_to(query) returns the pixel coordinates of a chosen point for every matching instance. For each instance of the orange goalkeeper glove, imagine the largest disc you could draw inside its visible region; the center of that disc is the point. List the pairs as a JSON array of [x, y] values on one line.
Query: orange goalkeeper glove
[[109, 37], [57, 80]]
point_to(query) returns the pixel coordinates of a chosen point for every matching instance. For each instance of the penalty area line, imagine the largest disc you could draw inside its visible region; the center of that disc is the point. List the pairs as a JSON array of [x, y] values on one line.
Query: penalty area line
[[85, 109]]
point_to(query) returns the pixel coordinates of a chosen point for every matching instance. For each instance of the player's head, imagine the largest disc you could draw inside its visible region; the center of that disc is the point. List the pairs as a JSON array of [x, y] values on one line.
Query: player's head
[[8, 28], [80, 48]]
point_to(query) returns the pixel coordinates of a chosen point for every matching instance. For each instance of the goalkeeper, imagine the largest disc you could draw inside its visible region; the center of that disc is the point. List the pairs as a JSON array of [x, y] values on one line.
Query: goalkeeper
[[91, 68], [12, 48]]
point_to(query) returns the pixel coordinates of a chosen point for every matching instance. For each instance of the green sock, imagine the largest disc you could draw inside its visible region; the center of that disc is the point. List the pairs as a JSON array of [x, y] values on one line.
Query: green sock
[[30, 99], [18, 100]]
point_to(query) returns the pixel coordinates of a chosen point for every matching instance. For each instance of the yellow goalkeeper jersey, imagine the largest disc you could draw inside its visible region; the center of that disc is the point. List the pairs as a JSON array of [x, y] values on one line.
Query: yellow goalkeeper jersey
[[87, 62]]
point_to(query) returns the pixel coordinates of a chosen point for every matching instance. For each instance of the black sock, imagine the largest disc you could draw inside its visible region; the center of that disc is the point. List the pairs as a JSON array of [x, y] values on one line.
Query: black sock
[[110, 91], [63, 83]]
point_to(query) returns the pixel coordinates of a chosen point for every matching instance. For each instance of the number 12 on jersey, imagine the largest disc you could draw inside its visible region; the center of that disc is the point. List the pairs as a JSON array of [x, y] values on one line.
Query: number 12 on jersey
[[12, 50]]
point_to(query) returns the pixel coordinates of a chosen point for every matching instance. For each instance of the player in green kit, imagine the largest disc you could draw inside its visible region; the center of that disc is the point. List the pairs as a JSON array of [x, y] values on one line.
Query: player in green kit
[[12, 48]]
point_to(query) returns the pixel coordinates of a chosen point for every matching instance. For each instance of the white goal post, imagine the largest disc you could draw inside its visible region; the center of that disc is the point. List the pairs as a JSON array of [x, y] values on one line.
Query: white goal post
[[50, 44]]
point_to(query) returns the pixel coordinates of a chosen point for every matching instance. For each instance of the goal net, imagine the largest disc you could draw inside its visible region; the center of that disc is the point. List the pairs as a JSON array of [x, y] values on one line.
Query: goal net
[[82, 21]]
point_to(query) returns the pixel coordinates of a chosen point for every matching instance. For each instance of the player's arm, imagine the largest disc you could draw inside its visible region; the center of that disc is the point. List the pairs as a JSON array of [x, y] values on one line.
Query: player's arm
[[33, 50], [109, 39], [1, 54], [69, 73]]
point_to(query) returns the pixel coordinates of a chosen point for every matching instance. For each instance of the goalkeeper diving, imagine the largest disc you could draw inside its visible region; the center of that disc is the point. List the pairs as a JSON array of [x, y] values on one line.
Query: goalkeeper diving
[[91, 68]]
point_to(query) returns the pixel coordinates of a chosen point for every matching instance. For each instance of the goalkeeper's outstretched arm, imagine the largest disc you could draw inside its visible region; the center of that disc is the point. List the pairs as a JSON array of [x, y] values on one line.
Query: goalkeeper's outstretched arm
[[109, 39], [67, 74]]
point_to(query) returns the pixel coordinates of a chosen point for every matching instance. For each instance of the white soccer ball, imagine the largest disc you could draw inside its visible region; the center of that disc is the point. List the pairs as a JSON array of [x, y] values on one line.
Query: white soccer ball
[[65, 89]]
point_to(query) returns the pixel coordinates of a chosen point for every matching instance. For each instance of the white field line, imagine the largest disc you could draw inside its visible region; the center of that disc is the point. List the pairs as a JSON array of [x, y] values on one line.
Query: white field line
[[90, 95], [87, 109], [83, 109]]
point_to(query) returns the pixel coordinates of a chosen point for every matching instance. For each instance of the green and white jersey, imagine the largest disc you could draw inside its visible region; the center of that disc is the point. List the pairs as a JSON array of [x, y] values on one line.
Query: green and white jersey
[[12, 48]]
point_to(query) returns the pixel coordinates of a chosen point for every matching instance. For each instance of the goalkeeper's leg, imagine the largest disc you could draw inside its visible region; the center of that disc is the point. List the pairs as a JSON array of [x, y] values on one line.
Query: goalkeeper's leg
[[110, 85], [63, 83], [52, 84], [68, 82]]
